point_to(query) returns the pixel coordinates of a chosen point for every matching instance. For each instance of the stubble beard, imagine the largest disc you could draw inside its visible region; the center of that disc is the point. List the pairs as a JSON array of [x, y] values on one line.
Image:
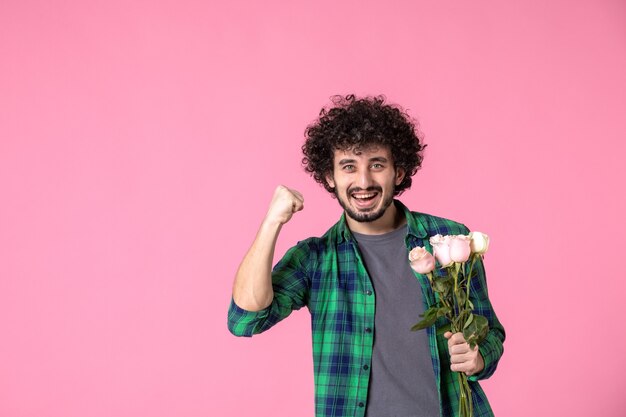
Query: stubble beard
[[368, 216]]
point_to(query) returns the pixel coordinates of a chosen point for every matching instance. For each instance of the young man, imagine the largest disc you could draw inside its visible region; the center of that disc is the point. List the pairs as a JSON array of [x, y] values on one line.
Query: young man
[[356, 279]]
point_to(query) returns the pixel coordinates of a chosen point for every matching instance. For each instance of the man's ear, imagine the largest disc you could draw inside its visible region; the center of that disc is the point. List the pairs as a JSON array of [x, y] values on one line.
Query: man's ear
[[330, 181], [400, 172]]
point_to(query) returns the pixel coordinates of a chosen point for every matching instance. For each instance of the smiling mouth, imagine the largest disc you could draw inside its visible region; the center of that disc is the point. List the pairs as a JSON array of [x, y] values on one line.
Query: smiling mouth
[[363, 196], [364, 199]]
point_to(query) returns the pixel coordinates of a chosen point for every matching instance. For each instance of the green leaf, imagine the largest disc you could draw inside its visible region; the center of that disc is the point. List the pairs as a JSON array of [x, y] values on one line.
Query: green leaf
[[420, 325], [430, 316], [459, 320], [476, 331], [442, 285], [468, 321], [443, 311]]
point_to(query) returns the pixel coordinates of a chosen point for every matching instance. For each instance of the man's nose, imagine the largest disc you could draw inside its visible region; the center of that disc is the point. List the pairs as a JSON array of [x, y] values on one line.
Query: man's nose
[[365, 179]]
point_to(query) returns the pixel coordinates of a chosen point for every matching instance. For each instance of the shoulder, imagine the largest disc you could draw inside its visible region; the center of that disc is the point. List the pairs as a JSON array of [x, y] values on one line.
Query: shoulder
[[319, 244], [308, 252], [435, 225]]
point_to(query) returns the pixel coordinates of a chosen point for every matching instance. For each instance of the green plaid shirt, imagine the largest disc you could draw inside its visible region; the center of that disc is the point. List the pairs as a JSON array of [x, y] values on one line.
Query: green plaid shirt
[[328, 276]]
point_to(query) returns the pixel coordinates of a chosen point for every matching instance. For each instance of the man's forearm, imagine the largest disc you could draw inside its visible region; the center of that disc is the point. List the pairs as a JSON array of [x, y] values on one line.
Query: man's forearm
[[252, 289]]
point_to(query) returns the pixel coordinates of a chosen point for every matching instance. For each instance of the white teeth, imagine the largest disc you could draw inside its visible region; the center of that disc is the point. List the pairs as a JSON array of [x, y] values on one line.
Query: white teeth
[[363, 196]]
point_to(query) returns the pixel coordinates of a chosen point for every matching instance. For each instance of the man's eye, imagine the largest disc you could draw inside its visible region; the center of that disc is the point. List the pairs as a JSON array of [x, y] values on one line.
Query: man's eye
[[348, 167], [377, 166]]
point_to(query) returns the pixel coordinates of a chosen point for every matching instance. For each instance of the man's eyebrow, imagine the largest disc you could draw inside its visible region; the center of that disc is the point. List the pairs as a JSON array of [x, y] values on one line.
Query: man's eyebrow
[[352, 161]]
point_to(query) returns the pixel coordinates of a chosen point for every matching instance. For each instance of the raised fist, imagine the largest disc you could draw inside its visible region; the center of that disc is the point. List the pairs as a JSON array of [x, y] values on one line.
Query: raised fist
[[284, 203]]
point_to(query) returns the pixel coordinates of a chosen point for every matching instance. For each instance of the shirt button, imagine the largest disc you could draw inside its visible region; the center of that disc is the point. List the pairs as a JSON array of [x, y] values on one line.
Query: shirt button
[[368, 292], [361, 405], [368, 330], [366, 367]]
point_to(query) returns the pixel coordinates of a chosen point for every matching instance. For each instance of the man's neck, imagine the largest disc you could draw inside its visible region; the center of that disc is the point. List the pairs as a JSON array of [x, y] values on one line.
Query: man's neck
[[390, 221]]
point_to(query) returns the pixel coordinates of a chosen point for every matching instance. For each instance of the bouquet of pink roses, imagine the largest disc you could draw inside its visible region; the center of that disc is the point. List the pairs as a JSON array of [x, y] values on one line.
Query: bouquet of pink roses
[[452, 292]]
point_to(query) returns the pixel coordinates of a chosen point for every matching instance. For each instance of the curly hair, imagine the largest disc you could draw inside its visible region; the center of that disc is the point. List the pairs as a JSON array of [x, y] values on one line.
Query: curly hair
[[357, 123]]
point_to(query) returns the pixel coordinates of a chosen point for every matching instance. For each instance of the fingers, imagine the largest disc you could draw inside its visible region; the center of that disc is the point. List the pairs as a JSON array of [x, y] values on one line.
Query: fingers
[[460, 349], [467, 363], [285, 203], [454, 339], [462, 357], [466, 367], [289, 192], [298, 200], [296, 194], [457, 344], [294, 197], [469, 367]]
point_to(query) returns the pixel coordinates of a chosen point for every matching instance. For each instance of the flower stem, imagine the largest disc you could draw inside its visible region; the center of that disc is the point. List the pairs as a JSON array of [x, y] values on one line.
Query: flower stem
[[455, 299], [469, 277], [466, 408]]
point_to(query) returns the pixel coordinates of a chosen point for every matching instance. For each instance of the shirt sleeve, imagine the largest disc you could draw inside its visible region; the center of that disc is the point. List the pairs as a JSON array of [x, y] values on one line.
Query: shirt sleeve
[[491, 348], [290, 282]]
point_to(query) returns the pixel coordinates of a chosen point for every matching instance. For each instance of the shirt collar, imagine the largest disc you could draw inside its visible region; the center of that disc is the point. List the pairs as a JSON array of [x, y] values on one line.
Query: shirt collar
[[415, 225]]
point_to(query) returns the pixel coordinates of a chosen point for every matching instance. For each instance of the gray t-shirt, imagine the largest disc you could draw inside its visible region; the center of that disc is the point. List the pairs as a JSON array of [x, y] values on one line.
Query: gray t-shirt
[[402, 381]]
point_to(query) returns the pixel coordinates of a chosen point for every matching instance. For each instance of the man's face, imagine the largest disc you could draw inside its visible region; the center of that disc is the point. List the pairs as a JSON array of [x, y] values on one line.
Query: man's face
[[364, 181]]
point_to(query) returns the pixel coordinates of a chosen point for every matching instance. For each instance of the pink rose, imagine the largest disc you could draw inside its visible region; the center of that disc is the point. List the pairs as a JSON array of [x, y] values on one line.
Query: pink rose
[[459, 248], [421, 260], [441, 248]]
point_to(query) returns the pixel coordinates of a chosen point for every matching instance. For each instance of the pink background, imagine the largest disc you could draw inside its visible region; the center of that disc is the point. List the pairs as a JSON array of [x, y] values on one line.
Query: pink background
[[140, 142]]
